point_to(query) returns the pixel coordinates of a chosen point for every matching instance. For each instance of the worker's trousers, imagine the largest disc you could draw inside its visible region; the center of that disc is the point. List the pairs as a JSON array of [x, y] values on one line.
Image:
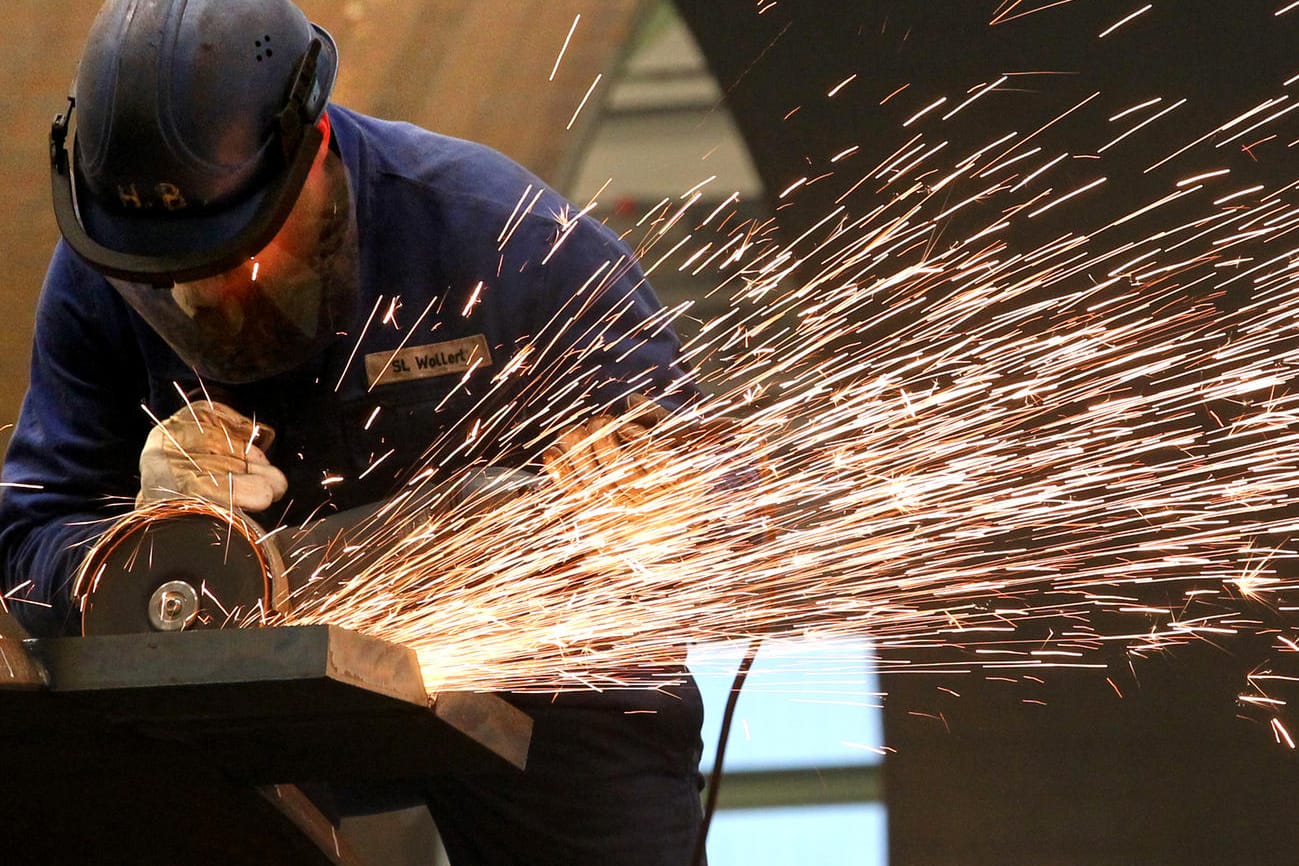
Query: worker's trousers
[[612, 780]]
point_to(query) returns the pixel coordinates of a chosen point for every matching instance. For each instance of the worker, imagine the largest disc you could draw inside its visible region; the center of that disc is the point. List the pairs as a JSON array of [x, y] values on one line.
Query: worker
[[356, 287]]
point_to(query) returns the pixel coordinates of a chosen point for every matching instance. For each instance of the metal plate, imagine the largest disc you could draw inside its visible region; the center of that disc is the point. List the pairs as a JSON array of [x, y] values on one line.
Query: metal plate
[[176, 747], [274, 704]]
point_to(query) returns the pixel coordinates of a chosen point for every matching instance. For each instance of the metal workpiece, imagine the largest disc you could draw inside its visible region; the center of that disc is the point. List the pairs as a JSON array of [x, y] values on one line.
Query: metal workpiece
[[496, 725], [198, 746], [286, 704]]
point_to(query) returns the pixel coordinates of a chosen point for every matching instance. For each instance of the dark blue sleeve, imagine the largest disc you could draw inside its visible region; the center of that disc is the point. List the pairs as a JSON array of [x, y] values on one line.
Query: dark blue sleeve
[[72, 461]]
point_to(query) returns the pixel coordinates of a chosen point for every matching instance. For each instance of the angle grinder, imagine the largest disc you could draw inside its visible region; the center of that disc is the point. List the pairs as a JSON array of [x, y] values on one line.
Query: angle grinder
[[192, 564], [179, 564]]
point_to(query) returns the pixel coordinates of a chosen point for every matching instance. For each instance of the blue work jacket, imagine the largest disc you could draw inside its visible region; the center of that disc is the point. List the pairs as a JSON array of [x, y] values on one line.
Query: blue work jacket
[[461, 250]]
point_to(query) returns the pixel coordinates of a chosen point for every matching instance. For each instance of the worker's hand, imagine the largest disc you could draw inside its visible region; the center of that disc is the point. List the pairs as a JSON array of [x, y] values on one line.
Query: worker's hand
[[613, 455], [211, 451]]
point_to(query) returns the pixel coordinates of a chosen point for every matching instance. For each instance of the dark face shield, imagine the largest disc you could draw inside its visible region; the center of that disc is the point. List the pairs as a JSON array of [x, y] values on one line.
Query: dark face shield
[[279, 308]]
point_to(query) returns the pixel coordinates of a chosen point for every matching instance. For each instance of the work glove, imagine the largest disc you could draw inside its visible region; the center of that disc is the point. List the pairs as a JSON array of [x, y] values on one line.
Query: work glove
[[210, 451], [613, 455]]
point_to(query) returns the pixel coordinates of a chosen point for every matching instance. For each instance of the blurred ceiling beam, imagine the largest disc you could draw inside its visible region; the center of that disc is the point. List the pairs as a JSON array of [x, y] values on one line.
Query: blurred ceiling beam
[[481, 69]]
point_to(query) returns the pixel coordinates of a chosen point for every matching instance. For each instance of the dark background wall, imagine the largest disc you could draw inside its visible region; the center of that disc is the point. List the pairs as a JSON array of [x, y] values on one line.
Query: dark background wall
[[778, 68], [1162, 765]]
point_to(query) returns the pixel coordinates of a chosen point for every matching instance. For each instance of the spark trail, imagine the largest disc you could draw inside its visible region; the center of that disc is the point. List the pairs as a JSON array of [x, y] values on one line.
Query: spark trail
[[922, 440]]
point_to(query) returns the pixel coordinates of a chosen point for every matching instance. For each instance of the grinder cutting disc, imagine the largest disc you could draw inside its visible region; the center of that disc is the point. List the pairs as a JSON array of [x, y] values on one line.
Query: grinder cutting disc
[[175, 565]]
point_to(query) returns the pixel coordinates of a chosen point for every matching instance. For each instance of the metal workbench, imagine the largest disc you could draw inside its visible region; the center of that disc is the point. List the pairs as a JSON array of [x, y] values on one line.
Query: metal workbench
[[196, 747]]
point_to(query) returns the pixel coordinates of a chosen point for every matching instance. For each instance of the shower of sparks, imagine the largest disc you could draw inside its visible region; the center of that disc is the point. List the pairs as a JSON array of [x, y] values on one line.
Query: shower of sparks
[[564, 48], [910, 437], [1004, 14], [1139, 126], [1282, 734], [841, 85], [1131, 109], [1124, 20], [921, 448], [922, 112], [894, 93], [978, 93], [585, 98]]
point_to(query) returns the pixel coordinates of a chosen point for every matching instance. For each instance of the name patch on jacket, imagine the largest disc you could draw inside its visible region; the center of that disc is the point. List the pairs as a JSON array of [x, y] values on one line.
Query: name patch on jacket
[[425, 362]]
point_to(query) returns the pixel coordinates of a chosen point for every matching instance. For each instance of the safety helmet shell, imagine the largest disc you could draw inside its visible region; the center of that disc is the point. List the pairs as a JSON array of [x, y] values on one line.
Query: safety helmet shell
[[186, 128]]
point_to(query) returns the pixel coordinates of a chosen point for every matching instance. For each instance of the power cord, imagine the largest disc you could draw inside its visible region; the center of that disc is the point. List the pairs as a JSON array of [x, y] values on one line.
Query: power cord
[[700, 857]]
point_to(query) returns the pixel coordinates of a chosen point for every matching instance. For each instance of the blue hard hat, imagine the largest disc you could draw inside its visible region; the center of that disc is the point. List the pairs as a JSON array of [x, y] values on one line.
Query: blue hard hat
[[196, 126]]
